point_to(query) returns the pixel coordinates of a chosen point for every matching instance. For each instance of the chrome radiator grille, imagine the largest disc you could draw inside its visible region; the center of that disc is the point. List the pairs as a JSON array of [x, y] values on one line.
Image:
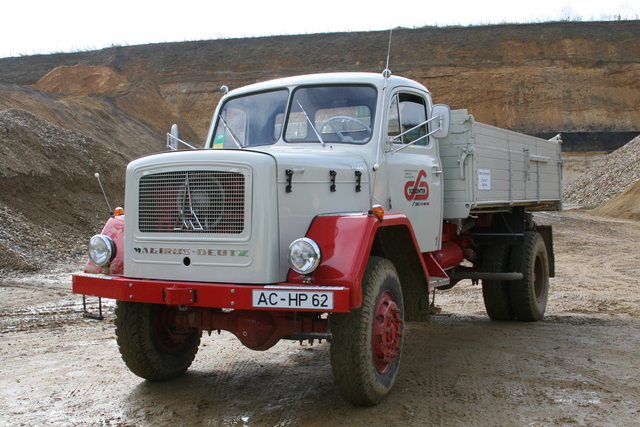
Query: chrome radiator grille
[[192, 202]]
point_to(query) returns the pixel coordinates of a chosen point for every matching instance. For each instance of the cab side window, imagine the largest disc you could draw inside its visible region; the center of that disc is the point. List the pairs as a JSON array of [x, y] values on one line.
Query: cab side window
[[407, 113]]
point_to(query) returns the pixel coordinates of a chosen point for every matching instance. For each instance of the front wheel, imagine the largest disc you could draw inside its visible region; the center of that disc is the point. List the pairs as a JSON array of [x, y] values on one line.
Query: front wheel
[[367, 342], [153, 342]]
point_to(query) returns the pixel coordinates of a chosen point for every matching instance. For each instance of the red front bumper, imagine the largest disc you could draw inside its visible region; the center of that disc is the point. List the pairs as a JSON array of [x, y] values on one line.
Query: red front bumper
[[211, 295]]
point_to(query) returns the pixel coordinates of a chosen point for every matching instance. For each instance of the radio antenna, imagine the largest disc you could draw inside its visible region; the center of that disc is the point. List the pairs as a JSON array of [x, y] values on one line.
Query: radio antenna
[[386, 74], [389, 51], [97, 175]]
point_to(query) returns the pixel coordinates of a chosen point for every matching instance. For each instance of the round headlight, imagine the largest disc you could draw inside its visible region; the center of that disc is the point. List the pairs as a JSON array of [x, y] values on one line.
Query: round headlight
[[304, 255], [101, 250]]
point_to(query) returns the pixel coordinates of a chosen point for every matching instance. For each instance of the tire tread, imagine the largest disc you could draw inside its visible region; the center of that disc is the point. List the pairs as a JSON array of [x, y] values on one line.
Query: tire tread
[[143, 357], [525, 305], [350, 364], [495, 293]]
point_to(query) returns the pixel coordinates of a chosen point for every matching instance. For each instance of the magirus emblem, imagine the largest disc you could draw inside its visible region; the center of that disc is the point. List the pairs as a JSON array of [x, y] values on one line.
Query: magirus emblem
[[199, 203]]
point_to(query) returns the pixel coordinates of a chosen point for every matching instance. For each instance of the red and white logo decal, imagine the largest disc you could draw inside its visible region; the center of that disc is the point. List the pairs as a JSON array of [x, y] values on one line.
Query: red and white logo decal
[[418, 189]]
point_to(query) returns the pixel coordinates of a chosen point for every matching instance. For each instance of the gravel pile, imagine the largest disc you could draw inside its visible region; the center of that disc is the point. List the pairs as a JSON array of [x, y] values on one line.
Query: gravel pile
[[25, 246], [33, 146], [607, 178], [50, 201]]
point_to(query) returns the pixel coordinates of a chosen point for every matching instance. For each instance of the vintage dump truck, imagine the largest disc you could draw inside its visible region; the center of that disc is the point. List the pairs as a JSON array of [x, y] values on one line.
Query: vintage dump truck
[[324, 207]]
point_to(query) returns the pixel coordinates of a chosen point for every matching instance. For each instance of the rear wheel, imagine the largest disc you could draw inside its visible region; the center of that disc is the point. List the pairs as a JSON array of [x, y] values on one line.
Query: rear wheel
[[367, 342], [529, 295], [496, 292], [153, 341]]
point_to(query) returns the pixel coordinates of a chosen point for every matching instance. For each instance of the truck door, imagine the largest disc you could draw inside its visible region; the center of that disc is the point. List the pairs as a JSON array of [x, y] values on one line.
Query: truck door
[[414, 168]]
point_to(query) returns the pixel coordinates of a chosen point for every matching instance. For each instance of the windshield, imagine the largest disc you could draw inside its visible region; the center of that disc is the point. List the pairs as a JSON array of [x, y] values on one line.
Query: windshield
[[338, 113], [251, 120]]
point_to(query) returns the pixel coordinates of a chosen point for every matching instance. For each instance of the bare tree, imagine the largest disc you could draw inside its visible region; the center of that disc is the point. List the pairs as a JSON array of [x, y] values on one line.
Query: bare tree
[[568, 14]]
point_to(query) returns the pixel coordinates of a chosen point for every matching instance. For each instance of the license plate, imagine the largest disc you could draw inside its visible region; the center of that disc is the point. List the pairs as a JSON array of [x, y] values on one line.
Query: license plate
[[308, 300]]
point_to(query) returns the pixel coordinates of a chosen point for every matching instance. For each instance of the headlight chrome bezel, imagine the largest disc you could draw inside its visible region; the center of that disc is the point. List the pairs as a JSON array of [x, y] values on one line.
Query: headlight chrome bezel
[[101, 250], [304, 256]]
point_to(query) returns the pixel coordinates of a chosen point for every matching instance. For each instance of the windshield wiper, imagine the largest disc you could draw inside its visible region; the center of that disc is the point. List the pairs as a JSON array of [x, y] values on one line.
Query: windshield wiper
[[312, 125], [226, 128]]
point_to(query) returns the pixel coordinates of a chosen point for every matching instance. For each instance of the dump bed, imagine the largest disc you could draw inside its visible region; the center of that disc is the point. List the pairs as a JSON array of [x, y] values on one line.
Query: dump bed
[[490, 169]]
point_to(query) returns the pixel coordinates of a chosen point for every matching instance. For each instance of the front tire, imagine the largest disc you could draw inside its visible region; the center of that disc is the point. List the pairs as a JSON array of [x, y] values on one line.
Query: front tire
[[151, 343], [367, 342], [529, 295]]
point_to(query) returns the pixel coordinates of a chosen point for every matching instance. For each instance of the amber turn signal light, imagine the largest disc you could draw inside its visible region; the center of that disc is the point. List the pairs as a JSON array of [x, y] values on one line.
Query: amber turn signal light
[[378, 212], [118, 211]]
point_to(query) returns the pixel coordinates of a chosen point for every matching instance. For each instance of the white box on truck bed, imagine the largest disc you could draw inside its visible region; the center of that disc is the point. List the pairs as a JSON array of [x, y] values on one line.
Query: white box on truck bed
[[488, 168]]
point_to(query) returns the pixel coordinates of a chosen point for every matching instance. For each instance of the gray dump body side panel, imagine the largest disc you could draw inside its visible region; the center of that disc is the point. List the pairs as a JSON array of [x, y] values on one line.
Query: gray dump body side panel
[[490, 169]]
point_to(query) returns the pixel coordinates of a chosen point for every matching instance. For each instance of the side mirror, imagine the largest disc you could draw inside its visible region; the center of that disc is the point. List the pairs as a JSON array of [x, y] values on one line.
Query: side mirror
[[440, 121], [172, 138], [173, 142]]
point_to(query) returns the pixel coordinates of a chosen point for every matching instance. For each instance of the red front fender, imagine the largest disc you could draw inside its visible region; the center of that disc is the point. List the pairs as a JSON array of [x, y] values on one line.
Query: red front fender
[[345, 242], [114, 228]]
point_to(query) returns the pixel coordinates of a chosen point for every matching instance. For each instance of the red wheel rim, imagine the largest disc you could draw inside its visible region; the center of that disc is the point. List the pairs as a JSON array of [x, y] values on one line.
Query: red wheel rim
[[538, 278], [387, 327]]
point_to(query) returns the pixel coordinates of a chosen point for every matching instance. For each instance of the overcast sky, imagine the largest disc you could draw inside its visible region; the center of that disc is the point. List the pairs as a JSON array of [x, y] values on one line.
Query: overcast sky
[[30, 27]]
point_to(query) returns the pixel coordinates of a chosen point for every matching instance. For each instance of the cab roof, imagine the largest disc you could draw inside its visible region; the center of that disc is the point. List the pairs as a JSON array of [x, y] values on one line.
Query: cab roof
[[373, 79]]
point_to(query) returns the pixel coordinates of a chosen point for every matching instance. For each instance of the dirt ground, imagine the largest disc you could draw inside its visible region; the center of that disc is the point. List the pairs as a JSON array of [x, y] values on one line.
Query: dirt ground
[[578, 366]]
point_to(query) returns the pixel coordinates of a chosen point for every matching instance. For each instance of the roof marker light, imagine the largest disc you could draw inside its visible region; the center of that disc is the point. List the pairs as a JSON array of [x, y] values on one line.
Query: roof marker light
[[377, 211]]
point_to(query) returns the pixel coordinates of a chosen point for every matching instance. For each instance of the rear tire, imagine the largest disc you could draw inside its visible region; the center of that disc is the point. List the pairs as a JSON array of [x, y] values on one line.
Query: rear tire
[[367, 342], [150, 344], [529, 295], [496, 292]]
